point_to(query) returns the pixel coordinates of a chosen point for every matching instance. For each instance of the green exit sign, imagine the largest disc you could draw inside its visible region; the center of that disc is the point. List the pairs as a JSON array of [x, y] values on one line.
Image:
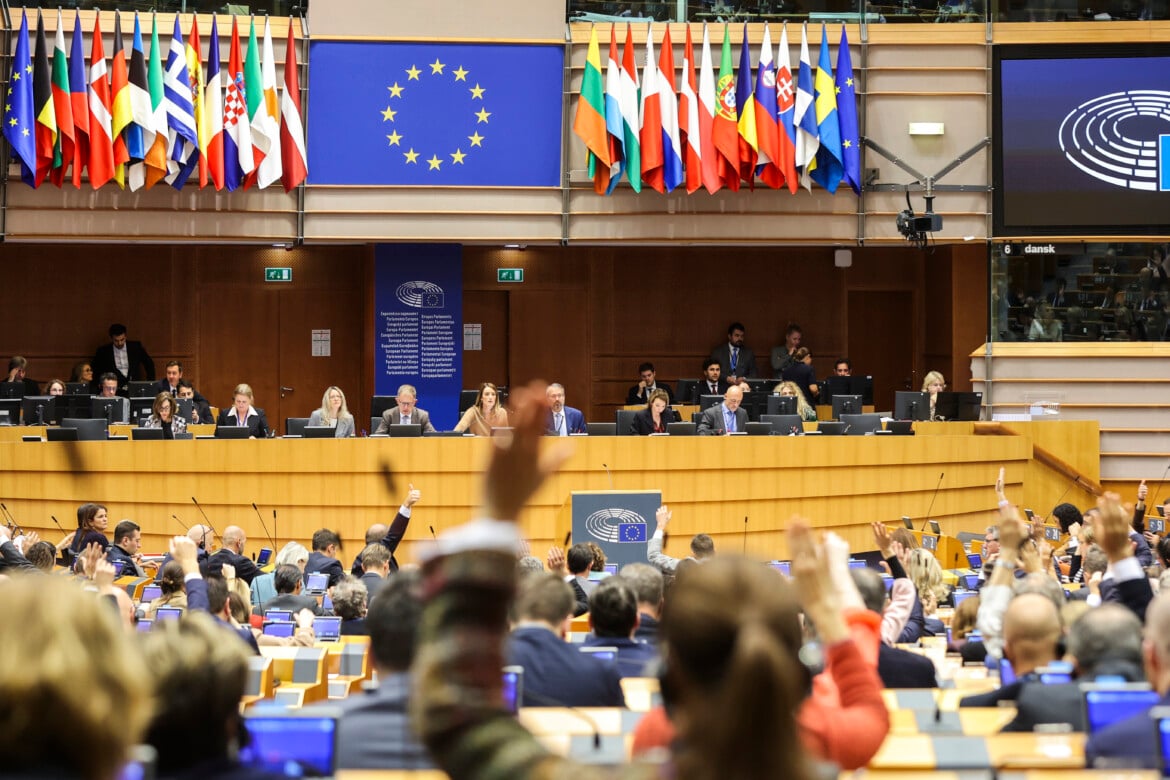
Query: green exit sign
[[509, 274], [278, 274]]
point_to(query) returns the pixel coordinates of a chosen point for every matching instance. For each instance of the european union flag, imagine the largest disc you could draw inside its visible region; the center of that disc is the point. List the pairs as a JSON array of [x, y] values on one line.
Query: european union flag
[[435, 114], [632, 532], [19, 120]]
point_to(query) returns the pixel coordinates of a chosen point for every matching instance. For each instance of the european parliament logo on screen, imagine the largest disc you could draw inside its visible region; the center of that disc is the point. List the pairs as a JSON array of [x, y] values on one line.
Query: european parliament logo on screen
[[1121, 138], [617, 526], [421, 295]]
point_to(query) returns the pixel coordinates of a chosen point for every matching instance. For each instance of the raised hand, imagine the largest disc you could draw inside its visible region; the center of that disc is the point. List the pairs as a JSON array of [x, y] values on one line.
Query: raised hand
[[517, 467], [412, 497]]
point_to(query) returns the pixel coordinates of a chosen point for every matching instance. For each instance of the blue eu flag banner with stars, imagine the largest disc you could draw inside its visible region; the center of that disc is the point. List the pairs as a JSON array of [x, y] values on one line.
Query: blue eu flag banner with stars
[[847, 116], [435, 114], [19, 120]]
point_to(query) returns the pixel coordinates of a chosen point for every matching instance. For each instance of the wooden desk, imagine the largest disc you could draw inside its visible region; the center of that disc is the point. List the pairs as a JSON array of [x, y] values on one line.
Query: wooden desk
[[1021, 751], [710, 483]]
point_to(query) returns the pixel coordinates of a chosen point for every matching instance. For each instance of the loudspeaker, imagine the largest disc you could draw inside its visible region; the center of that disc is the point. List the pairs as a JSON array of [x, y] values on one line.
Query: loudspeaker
[[843, 258]]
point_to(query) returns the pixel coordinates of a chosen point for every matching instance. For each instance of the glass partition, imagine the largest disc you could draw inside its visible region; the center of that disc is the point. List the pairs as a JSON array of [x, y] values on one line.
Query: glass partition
[[1079, 292]]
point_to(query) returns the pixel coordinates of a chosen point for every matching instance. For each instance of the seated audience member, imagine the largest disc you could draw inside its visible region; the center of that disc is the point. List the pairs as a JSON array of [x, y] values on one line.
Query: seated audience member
[[375, 568], [647, 584], [42, 555], [55, 387], [349, 603], [726, 417], [962, 625], [232, 553], [702, 546], [613, 617], [843, 367], [735, 360], [655, 417], [200, 408], [933, 383], [781, 356], [579, 561], [800, 371], [389, 536], [1069, 518], [288, 583], [375, 730], [1031, 635], [1045, 327], [558, 564], [556, 673], [335, 413], [897, 668], [902, 618], [1132, 742], [108, 388], [172, 380], [323, 558], [1093, 567], [806, 411], [1104, 642], [528, 564], [926, 574], [173, 589], [711, 383], [12, 560], [243, 414], [406, 412], [262, 586], [163, 414], [17, 367], [71, 683], [204, 539], [82, 372], [127, 540], [198, 680], [485, 414], [562, 420], [92, 520], [647, 384]]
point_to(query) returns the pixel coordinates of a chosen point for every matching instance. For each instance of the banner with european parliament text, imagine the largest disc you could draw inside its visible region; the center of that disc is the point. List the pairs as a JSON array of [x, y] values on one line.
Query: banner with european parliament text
[[435, 114], [418, 322]]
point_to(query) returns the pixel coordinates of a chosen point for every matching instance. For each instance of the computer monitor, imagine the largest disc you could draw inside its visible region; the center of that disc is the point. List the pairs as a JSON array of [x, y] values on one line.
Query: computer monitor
[[833, 386], [12, 390], [380, 403], [911, 406], [781, 404], [184, 407], [146, 434], [291, 742], [107, 409], [684, 390], [140, 409], [231, 432], [316, 582], [961, 407], [861, 424], [10, 411], [295, 426], [142, 390], [93, 429], [467, 399], [150, 593], [1109, 703], [755, 404], [320, 432], [75, 406], [758, 429], [785, 424], [601, 428], [61, 434], [327, 629], [707, 401], [680, 428], [77, 388], [846, 404], [405, 430], [827, 428]]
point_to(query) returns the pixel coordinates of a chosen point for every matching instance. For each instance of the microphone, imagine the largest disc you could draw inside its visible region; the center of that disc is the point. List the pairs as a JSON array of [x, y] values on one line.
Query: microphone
[[745, 524], [568, 536], [275, 535], [54, 519], [11, 521], [576, 712], [433, 532], [271, 540], [180, 522], [609, 474], [67, 555], [941, 475], [203, 542]]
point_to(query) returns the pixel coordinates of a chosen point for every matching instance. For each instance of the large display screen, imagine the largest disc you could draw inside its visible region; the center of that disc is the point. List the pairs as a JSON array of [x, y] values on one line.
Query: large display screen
[[1081, 139]]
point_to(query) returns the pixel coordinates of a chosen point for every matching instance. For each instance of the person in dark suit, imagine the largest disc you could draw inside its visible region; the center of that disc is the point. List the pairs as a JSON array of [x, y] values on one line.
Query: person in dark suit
[[323, 558], [1058, 298], [232, 553], [350, 598], [655, 417], [375, 563], [735, 360], [388, 536], [242, 412], [801, 372], [1031, 633], [374, 731], [726, 417], [287, 581], [406, 411], [613, 616], [17, 367], [556, 673], [200, 408], [647, 584], [207, 595], [897, 668], [127, 538], [562, 420], [712, 382], [647, 384], [173, 382], [126, 359]]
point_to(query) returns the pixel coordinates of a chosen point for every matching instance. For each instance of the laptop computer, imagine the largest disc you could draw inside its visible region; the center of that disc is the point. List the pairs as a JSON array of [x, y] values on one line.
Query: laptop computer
[[758, 429], [146, 434], [1106, 703], [327, 629], [406, 430], [317, 582], [319, 432], [601, 428], [231, 432], [680, 428], [291, 742], [828, 428]]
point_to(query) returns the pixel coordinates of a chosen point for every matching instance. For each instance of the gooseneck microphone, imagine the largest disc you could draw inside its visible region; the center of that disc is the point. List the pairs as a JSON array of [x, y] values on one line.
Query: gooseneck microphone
[[433, 532], [206, 519], [745, 525], [604, 466], [271, 538], [932, 498], [180, 522]]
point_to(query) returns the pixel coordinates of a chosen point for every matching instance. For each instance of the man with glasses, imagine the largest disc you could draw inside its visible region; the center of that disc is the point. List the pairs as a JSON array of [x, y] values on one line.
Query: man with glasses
[[406, 412]]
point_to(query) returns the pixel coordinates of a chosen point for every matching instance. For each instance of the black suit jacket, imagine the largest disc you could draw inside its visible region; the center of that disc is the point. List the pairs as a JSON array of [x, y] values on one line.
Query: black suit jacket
[[103, 362], [580, 597], [558, 674], [246, 569], [129, 567], [257, 423], [373, 584], [390, 541], [319, 562], [745, 364], [993, 698], [703, 388], [633, 397], [903, 669], [643, 424]]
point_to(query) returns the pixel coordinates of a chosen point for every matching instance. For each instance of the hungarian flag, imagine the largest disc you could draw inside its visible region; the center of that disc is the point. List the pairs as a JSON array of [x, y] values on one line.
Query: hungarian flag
[[121, 111], [589, 121], [294, 160], [615, 136], [724, 129], [672, 167], [101, 146], [708, 107], [238, 160], [62, 107], [195, 76], [629, 106], [156, 153], [140, 132], [688, 119], [213, 109], [48, 147], [745, 104], [19, 119], [786, 106], [768, 117], [650, 134], [79, 101]]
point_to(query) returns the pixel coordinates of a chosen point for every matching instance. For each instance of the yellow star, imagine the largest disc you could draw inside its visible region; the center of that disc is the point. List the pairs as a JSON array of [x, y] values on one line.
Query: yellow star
[[411, 156], [476, 140], [849, 82], [7, 107], [28, 68], [483, 116], [477, 92], [13, 122], [395, 137], [457, 158], [16, 76], [24, 132], [412, 74], [836, 90], [461, 74], [437, 67], [847, 143], [395, 91], [388, 114], [435, 162]]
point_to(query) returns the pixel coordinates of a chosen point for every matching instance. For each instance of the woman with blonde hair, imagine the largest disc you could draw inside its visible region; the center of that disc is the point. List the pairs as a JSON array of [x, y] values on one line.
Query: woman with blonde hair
[[242, 413], [923, 570], [485, 414], [335, 413], [933, 383], [803, 408]]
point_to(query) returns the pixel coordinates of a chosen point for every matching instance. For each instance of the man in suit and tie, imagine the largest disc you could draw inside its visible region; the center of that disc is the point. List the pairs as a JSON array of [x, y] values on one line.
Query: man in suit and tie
[[173, 383], [736, 360], [712, 382], [406, 412], [726, 417], [562, 420], [125, 359], [647, 384], [388, 536], [288, 583]]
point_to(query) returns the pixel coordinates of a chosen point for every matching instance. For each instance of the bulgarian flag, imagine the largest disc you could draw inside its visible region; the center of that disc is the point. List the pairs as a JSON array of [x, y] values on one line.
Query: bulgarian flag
[[62, 105], [589, 123]]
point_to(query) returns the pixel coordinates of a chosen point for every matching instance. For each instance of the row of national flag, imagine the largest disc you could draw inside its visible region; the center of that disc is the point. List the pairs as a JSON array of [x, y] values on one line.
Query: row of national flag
[[138, 120], [719, 130]]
